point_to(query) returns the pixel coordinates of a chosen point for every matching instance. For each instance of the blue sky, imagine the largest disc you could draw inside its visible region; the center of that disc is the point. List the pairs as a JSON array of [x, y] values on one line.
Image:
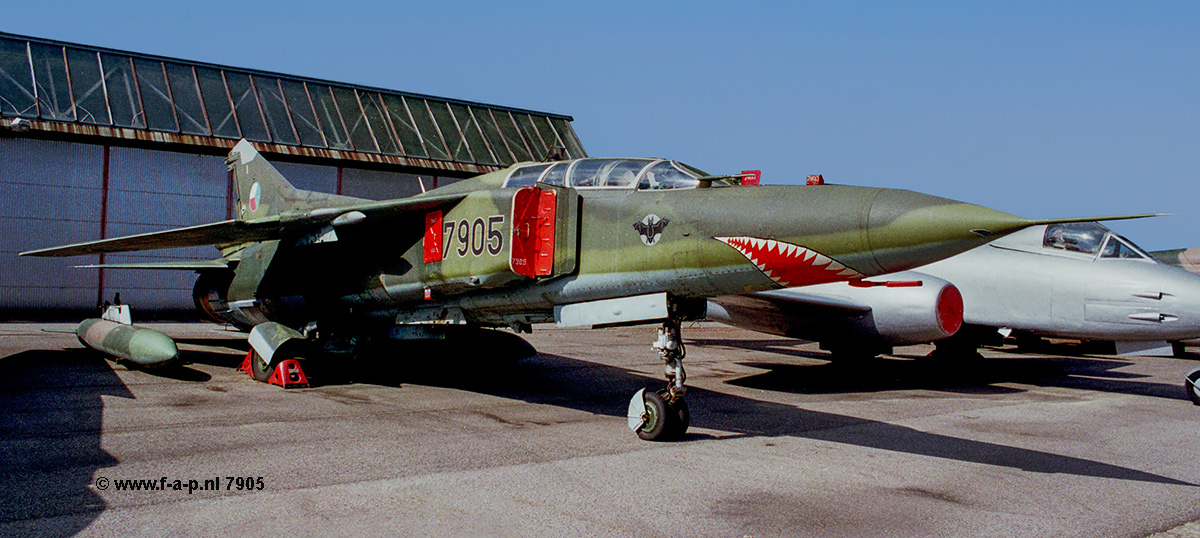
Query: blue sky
[[1036, 108]]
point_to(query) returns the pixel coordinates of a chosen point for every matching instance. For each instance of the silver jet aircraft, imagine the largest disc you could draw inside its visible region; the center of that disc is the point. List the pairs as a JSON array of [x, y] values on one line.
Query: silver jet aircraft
[[1076, 280]]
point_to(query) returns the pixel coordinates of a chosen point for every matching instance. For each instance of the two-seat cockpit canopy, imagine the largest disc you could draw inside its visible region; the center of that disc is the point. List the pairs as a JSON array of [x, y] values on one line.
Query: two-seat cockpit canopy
[[642, 174], [1091, 239]]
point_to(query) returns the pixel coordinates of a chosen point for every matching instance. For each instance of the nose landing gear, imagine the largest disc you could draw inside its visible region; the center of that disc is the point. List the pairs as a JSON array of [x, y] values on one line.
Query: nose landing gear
[[663, 415], [1191, 384]]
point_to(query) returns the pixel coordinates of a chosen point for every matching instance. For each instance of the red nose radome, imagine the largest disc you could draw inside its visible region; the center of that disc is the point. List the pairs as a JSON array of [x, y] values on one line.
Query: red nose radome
[[788, 264]]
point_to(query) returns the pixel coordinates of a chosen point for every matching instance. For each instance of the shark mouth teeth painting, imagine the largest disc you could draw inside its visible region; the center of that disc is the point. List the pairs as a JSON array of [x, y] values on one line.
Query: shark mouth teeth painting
[[788, 264]]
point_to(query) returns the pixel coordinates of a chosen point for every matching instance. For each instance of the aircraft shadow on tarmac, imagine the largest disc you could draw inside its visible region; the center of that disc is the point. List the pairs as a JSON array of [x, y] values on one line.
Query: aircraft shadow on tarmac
[[967, 376], [51, 414], [605, 390], [52, 420]]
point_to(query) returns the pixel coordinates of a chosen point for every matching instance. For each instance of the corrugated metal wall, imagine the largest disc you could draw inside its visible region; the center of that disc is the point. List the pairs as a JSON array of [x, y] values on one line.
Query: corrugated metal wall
[[49, 194], [52, 193], [153, 190], [309, 177]]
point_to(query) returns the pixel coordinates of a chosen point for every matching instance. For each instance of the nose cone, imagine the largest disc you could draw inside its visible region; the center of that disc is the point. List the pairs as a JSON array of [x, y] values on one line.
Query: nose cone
[[909, 229], [152, 348]]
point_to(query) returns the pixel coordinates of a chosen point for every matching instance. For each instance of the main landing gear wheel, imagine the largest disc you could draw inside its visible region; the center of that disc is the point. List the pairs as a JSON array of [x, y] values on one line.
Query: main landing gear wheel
[[663, 415], [259, 368], [1192, 385]]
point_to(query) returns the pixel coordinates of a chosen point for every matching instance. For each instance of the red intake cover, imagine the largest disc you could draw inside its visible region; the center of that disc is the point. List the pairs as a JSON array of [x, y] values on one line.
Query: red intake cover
[[950, 310]]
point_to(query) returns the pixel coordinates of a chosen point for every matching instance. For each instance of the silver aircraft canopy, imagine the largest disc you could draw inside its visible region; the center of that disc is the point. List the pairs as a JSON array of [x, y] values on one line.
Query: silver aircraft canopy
[[1085, 240]]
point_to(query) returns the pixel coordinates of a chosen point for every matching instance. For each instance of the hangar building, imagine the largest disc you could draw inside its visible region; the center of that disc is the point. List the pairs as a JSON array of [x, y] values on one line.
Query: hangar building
[[98, 143]]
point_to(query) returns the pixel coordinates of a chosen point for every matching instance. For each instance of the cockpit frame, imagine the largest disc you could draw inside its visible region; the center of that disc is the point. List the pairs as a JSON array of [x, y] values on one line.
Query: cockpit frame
[[607, 174], [1091, 240]]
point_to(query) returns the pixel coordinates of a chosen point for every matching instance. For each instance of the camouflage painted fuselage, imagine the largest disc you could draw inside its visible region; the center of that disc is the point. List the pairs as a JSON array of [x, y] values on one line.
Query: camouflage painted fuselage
[[509, 247], [607, 243]]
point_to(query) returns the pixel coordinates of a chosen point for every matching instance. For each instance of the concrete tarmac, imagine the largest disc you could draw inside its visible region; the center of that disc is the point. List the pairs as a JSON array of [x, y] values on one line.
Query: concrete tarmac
[[783, 442]]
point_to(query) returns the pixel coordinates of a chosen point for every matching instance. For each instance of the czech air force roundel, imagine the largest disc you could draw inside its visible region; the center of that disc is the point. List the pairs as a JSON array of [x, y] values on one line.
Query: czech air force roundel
[[255, 196]]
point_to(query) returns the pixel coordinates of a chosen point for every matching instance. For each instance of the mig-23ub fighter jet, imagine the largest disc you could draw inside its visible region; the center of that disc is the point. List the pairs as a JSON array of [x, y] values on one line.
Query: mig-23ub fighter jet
[[1075, 280], [581, 242]]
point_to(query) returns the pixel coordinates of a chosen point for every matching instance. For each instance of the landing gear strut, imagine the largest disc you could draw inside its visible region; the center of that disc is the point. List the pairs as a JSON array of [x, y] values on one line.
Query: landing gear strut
[[663, 415]]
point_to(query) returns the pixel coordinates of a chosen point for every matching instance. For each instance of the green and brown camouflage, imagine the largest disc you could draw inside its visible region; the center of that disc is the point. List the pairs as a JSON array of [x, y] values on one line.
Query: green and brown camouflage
[[584, 230], [1187, 259], [145, 347]]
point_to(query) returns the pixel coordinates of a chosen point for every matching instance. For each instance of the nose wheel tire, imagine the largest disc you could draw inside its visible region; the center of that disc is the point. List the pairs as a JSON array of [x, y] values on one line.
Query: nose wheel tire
[[663, 421], [679, 418]]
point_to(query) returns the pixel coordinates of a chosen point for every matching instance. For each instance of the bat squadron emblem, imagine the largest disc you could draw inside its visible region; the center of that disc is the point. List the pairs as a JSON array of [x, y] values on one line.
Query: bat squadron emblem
[[651, 228]]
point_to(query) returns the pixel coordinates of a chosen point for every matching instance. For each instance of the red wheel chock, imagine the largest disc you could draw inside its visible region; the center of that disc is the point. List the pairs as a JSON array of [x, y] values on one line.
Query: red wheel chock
[[288, 373], [245, 367]]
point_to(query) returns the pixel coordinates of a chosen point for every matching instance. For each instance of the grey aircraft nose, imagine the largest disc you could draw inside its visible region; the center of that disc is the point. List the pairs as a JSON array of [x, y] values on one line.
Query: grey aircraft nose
[[1180, 303]]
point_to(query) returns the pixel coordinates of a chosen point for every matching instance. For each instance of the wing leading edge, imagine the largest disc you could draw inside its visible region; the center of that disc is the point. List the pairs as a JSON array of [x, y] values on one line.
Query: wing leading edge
[[229, 231], [232, 232]]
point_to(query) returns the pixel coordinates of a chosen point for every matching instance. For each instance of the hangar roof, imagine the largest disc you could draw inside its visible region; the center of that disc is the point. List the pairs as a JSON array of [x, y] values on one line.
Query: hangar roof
[[90, 91]]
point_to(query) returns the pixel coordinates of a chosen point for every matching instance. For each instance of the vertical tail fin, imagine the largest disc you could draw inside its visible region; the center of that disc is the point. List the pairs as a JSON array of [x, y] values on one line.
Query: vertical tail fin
[[262, 191]]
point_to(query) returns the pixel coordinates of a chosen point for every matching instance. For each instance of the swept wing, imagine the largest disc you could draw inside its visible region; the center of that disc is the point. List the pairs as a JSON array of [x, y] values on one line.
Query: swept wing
[[232, 232]]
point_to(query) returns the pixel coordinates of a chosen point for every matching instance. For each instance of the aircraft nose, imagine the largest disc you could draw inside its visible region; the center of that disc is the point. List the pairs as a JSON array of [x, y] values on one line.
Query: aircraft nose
[[1181, 301], [909, 229]]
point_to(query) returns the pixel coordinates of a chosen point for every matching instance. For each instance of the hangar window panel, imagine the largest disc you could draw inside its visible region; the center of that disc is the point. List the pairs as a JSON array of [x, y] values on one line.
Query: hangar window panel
[[329, 117], [374, 114], [574, 149], [185, 94], [87, 87], [454, 139], [156, 97], [536, 146], [356, 122], [271, 99], [123, 99], [428, 130], [16, 82], [303, 116], [216, 103], [472, 134], [549, 136], [488, 124], [245, 104], [509, 129], [50, 77], [405, 129]]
